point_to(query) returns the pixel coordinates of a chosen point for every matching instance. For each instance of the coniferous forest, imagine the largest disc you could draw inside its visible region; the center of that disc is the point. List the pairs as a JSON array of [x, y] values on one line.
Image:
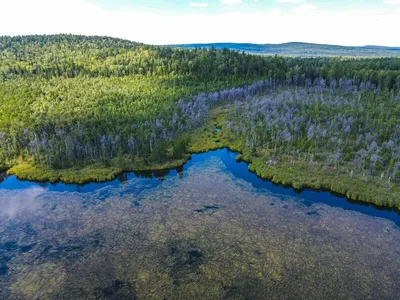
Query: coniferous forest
[[71, 101]]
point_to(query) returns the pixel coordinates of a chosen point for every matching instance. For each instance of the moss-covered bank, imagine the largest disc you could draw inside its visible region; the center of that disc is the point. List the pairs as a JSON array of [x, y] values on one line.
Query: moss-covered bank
[[92, 173]]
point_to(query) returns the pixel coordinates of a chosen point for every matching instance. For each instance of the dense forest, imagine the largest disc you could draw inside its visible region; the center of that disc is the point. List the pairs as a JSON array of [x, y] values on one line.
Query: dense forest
[[69, 100]]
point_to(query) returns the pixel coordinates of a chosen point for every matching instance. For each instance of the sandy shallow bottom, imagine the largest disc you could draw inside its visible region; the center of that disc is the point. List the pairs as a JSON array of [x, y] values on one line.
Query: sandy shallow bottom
[[206, 235]]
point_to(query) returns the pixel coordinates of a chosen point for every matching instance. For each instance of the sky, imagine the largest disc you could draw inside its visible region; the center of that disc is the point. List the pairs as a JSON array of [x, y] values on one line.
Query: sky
[[339, 22]]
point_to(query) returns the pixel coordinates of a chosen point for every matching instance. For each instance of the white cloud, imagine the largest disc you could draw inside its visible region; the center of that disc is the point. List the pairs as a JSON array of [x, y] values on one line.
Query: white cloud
[[305, 9], [17, 202], [84, 17], [198, 4], [290, 1], [392, 2], [231, 2]]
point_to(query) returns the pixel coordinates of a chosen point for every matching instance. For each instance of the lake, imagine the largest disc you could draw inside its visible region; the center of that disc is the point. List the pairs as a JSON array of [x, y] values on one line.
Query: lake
[[208, 230]]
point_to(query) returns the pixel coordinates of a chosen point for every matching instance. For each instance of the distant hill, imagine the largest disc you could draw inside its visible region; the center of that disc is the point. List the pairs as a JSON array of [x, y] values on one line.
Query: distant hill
[[303, 49]]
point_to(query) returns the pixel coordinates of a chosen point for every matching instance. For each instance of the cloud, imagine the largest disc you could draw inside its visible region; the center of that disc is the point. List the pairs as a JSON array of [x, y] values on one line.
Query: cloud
[[231, 2], [198, 4], [305, 9], [290, 1], [392, 2], [17, 202]]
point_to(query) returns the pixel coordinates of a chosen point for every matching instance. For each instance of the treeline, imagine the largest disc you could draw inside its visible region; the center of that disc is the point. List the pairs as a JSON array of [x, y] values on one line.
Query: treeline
[[383, 73], [71, 56]]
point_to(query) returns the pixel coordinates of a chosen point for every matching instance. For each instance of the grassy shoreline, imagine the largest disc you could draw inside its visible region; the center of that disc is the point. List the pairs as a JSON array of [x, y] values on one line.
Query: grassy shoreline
[[298, 175], [91, 173]]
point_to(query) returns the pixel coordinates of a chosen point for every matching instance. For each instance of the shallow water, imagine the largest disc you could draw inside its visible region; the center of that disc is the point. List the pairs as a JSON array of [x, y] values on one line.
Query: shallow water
[[211, 230]]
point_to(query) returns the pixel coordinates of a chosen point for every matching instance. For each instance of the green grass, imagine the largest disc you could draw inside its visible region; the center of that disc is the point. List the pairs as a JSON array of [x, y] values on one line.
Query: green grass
[[207, 138], [93, 173], [97, 173]]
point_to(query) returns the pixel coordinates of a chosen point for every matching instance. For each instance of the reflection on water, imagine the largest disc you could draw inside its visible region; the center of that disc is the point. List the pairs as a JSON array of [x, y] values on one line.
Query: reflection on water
[[207, 234], [2, 176]]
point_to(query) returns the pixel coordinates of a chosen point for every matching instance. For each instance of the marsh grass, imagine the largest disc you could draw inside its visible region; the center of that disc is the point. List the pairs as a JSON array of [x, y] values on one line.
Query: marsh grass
[[91, 173], [97, 173]]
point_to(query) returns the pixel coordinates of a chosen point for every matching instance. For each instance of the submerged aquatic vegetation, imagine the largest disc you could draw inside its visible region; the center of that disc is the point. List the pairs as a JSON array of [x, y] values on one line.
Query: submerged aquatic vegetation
[[206, 235]]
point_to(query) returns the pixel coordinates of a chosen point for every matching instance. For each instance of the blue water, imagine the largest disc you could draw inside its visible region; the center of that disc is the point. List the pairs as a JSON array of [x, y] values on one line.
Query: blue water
[[238, 169]]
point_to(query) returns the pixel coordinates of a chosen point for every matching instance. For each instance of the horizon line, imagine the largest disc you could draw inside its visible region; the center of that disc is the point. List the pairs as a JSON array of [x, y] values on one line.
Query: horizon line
[[204, 43]]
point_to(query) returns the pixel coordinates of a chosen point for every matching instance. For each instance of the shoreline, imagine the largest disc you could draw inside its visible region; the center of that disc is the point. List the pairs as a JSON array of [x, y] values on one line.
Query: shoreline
[[173, 166], [182, 162], [206, 139]]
